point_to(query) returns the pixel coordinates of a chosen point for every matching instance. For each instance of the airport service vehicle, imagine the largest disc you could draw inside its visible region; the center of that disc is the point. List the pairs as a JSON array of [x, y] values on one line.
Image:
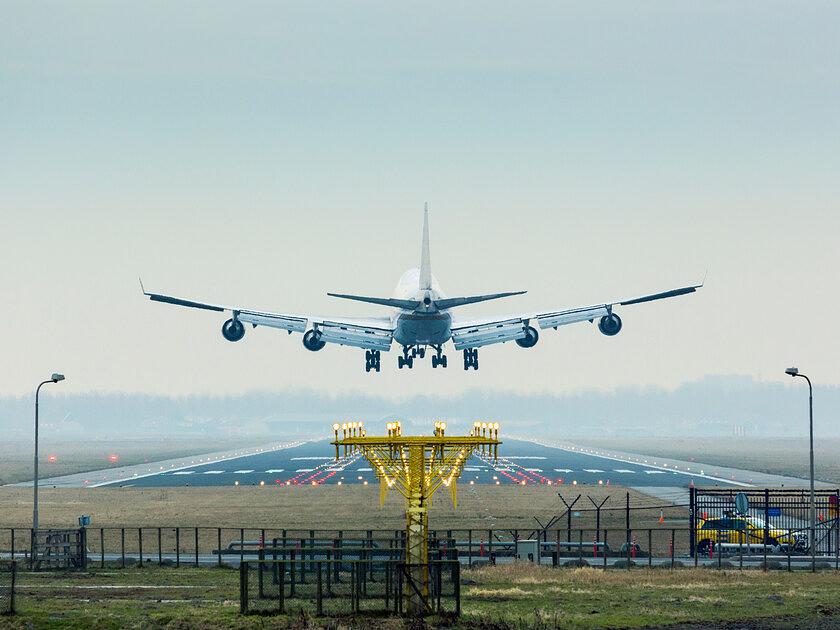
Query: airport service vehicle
[[421, 318], [743, 531]]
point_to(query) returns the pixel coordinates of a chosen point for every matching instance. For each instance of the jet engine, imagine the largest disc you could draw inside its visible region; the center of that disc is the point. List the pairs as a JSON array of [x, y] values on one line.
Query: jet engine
[[530, 339], [610, 324], [312, 340], [233, 330]]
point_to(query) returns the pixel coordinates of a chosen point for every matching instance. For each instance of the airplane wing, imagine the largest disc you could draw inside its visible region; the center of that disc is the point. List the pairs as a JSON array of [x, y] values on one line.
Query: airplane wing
[[483, 332], [370, 333]]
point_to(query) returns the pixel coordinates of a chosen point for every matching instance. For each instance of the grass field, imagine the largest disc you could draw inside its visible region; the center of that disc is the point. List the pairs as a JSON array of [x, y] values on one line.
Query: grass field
[[81, 456], [305, 507], [502, 597], [779, 456]]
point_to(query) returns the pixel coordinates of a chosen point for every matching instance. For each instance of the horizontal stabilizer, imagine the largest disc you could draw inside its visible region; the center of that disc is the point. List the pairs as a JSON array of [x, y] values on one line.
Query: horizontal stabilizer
[[663, 295], [461, 301], [409, 305]]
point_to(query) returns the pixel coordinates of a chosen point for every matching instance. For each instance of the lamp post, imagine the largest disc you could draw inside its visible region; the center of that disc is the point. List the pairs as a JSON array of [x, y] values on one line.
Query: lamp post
[[792, 371], [55, 378]]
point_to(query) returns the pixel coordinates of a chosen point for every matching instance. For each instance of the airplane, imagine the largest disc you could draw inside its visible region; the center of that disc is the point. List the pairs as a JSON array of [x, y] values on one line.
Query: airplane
[[421, 318]]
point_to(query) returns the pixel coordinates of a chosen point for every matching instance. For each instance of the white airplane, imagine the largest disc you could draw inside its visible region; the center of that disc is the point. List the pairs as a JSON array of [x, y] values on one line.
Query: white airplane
[[421, 318]]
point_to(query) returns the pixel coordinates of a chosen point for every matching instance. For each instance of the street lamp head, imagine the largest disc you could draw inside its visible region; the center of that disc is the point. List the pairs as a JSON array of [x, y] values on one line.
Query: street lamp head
[[792, 371], [57, 377]]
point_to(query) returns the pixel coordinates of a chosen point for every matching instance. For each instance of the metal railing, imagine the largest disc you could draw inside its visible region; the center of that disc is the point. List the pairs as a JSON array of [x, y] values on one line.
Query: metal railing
[[205, 546], [336, 587]]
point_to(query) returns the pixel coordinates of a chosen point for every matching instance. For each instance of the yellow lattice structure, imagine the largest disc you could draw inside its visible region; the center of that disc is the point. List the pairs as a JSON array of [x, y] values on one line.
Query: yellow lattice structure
[[417, 466]]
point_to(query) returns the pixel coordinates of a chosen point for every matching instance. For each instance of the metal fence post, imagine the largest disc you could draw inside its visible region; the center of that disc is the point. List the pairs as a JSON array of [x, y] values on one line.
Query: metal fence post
[[101, 547], [219, 544], [13, 542], [12, 591], [320, 605], [692, 524], [196, 546], [122, 547], [160, 547], [177, 546], [241, 545], [282, 585], [673, 544], [458, 588], [243, 589], [650, 548]]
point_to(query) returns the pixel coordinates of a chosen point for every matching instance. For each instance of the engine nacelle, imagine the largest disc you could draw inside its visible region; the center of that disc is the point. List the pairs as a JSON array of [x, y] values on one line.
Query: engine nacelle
[[530, 339], [312, 340], [610, 325], [233, 330]]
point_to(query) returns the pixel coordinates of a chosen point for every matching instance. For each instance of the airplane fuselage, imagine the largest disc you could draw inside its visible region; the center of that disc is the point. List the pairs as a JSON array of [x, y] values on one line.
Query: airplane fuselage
[[416, 328]]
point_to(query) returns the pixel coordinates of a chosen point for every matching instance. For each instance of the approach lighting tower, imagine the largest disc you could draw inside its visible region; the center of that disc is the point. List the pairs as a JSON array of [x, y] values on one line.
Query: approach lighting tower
[[417, 466]]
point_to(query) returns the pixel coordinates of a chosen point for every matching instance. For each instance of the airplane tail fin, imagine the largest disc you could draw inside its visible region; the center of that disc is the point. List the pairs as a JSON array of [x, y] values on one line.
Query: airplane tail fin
[[425, 258]]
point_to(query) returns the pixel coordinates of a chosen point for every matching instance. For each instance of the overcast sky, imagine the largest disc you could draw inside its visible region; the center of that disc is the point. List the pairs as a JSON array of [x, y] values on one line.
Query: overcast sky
[[262, 153]]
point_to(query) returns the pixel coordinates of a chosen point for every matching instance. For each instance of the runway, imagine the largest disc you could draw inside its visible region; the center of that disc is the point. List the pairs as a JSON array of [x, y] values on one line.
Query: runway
[[520, 462]]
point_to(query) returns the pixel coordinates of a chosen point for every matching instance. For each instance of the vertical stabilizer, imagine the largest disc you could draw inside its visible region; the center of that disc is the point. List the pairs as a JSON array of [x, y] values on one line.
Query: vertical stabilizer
[[425, 259]]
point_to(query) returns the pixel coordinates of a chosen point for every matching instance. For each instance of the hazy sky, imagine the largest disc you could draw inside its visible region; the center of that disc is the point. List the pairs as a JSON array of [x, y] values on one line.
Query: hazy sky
[[262, 153]]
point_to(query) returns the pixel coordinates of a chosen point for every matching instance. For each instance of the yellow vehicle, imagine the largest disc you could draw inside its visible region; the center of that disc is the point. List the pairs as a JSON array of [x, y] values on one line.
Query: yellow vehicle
[[734, 529]]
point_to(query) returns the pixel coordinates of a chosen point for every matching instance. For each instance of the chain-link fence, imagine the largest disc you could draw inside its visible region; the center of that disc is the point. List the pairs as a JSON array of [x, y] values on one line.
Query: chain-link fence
[[8, 574], [343, 587]]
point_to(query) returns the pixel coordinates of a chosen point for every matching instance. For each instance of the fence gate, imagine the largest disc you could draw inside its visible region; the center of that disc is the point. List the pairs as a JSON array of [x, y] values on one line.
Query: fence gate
[[769, 513], [59, 549]]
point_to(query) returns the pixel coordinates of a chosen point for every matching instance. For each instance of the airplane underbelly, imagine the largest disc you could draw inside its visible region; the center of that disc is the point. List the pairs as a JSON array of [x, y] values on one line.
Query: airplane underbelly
[[414, 329]]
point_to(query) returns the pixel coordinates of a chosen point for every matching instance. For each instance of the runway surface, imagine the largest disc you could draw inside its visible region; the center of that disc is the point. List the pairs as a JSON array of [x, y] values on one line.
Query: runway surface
[[520, 462]]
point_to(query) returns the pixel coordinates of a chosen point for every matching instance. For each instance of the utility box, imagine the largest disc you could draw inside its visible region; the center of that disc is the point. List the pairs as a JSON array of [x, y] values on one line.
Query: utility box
[[528, 551]]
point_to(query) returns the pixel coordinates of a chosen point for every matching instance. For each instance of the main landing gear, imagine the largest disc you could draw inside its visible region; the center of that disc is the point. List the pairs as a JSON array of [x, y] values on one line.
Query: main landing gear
[[407, 359], [471, 358], [372, 360], [412, 352], [438, 359]]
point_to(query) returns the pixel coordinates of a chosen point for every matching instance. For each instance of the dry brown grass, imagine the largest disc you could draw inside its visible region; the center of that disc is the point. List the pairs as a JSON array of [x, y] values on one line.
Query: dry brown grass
[[296, 507]]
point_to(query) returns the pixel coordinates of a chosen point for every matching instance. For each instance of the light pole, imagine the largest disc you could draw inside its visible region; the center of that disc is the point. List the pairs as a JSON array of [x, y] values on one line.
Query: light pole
[[795, 372], [55, 378]]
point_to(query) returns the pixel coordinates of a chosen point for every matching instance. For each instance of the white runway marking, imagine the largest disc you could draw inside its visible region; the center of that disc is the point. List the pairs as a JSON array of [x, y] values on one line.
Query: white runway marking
[[303, 470], [243, 472], [563, 470], [212, 472], [311, 459], [654, 472], [593, 470], [364, 469], [525, 457], [533, 469], [183, 472], [274, 470], [624, 470]]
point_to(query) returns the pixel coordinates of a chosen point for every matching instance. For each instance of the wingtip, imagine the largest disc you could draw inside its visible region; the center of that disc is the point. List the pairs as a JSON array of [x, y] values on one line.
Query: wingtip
[[142, 288]]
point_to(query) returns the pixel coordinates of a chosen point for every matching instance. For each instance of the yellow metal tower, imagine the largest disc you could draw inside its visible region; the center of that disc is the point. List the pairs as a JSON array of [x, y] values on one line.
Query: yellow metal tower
[[417, 466]]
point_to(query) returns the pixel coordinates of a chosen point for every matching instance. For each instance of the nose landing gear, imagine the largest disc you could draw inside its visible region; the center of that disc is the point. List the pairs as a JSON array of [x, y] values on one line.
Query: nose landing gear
[[372, 360], [471, 358]]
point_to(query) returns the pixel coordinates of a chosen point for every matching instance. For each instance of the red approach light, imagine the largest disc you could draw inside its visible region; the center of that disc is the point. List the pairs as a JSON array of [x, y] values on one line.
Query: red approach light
[[52, 459], [113, 458]]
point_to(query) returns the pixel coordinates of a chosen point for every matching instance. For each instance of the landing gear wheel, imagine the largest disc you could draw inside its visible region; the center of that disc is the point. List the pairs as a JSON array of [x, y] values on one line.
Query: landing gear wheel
[[421, 353], [233, 330], [405, 362], [471, 358], [442, 361], [372, 360]]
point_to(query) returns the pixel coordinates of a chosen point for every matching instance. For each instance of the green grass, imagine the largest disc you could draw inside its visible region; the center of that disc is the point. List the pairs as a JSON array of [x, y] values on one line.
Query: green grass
[[500, 597]]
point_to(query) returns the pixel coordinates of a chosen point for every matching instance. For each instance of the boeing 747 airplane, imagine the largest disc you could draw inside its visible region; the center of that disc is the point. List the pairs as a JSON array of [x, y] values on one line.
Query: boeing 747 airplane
[[421, 317]]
